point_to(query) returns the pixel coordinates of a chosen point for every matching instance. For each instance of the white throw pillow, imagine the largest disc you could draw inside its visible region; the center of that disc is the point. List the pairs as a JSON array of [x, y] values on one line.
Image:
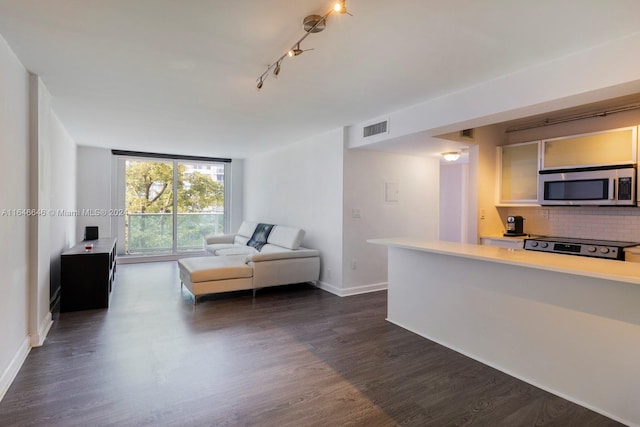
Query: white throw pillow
[[287, 237], [247, 228]]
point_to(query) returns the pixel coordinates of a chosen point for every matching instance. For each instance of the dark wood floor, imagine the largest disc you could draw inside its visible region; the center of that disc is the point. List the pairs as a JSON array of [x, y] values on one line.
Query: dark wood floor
[[296, 356]]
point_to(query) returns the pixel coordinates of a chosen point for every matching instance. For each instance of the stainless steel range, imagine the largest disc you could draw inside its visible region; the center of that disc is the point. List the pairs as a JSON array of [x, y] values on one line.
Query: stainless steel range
[[583, 247]]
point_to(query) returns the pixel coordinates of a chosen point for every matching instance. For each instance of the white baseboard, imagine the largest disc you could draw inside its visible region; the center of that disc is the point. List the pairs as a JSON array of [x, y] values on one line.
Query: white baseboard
[[12, 370], [29, 342], [374, 287], [328, 287], [356, 290], [43, 330]]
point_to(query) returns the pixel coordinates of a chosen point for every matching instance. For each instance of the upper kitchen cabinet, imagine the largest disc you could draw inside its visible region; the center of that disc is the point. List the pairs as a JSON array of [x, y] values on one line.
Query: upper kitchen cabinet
[[518, 174], [611, 147]]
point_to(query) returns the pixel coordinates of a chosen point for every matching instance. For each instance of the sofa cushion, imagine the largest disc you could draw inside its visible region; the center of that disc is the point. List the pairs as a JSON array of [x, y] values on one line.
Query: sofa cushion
[[300, 253], [241, 240], [246, 229], [260, 235], [217, 246], [215, 239], [236, 250], [205, 269], [287, 237], [269, 248]]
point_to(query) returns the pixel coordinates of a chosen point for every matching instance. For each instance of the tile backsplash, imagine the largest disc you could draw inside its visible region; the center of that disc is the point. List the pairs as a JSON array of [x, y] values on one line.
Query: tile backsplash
[[606, 223]]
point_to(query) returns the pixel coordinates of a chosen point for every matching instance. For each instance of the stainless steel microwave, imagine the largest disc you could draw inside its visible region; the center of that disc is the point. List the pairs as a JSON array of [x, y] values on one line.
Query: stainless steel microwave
[[600, 186]]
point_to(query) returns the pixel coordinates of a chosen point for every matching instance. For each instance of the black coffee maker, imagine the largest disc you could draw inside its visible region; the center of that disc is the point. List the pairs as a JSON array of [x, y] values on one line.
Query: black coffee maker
[[515, 226]]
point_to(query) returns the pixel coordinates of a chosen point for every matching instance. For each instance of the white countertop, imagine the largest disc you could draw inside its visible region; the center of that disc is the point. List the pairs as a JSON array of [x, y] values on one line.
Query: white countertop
[[583, 266], [507, 238], [633, 249]]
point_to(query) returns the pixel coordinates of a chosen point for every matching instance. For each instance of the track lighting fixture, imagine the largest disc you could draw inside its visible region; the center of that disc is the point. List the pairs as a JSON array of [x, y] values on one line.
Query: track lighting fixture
[[310, 24]]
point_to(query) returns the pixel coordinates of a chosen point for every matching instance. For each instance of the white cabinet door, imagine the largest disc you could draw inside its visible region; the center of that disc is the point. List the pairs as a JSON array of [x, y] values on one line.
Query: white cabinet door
[[611, 147], [518, 174]]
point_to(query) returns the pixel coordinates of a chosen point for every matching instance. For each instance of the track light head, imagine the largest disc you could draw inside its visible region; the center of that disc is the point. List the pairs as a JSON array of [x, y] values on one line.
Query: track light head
[[276, 70], [295, 51], [260, 83], [340, 7]]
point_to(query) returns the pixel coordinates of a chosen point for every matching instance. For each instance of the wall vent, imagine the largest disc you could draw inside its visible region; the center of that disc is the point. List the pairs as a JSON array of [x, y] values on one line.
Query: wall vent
[[466, 133], [375, 129]]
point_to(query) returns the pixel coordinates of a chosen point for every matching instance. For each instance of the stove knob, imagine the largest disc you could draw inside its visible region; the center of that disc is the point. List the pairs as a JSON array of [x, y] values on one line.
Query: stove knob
[[592, 249], [604, 250], [544, 244], [533, 244]]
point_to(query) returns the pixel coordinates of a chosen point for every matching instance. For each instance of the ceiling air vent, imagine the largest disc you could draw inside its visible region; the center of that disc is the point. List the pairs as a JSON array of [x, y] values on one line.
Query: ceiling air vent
[[375, 129], [466, 133]]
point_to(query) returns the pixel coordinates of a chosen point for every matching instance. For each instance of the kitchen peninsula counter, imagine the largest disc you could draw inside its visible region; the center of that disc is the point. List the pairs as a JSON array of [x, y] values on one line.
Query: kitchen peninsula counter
[[567, 324], [561, 263]]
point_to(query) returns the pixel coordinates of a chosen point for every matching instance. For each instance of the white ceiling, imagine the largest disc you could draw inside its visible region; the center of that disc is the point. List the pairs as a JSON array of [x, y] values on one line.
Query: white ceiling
[[179, 76]]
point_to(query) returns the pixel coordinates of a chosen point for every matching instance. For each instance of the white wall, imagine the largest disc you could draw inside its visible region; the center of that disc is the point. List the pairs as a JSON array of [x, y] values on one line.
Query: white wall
[[317, 185], [37, 168], [483, 180], [368, 215], [453, 201], [39, 199], [553, 85], [236, 193], [301, 185], [481, 216], [494, 102], [62, 196], [52, 189], [94, 166], [14, 230]]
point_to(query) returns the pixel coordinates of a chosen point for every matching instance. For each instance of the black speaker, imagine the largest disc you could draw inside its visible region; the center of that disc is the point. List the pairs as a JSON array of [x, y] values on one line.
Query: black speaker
[[91, 233]]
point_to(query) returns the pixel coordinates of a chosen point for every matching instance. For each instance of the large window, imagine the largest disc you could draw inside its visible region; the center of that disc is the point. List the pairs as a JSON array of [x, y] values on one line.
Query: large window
[[170, 204]]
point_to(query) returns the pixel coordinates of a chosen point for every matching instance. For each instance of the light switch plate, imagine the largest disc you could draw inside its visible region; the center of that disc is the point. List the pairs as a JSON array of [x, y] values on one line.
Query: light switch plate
[[391, 192]]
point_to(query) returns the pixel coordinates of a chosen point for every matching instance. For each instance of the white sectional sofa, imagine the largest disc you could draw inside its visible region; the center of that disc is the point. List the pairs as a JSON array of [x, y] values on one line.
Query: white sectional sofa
[[239, 262], [280, 239]]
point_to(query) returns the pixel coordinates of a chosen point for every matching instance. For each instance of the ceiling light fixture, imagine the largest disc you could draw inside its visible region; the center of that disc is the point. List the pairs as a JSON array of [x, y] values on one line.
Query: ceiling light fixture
[[340, 7], [451, 156], [295, 51], [311, 24]]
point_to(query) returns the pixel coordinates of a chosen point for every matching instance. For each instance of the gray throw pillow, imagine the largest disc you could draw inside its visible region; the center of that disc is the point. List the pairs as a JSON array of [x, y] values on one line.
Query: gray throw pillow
[[260, 236]]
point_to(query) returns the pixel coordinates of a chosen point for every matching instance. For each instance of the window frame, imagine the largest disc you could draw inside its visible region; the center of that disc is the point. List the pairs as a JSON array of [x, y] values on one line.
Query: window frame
[[120, 158]]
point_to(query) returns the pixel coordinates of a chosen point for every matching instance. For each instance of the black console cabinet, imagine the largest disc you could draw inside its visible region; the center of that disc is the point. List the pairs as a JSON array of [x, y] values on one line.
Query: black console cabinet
[[87, 275]]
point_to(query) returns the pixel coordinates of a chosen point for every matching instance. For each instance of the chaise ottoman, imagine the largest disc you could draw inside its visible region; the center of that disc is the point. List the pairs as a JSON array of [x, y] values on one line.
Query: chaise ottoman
[[212, 274]]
